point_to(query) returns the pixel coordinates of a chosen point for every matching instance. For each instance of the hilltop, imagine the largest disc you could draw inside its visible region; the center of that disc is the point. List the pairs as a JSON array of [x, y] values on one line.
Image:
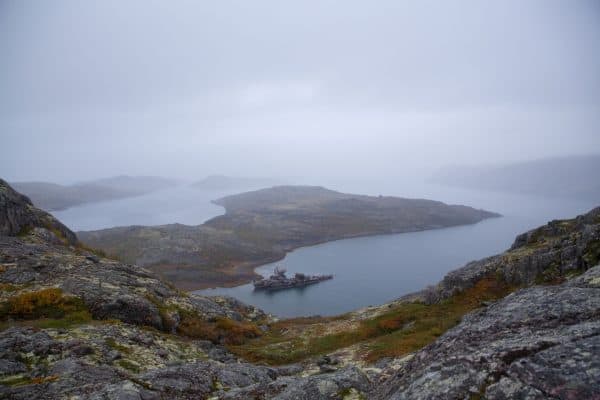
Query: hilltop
[[75, 324], [262, 226], [54, 197]]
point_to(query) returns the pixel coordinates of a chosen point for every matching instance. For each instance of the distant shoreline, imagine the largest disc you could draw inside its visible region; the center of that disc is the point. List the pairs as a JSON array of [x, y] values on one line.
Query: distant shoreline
[[262, 226], [249, 268]]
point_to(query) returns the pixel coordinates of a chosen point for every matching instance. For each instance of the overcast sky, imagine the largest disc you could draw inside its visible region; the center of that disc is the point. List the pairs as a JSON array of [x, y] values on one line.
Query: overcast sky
[[308, 88]]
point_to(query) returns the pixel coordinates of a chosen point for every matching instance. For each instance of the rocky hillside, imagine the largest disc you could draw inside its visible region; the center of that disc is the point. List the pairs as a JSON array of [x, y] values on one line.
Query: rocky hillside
[[262, 226], [74, 324], [18, 216], [538, 343]]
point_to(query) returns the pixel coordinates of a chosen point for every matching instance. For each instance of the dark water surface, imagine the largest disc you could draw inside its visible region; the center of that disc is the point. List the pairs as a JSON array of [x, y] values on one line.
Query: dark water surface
[[373, 270]]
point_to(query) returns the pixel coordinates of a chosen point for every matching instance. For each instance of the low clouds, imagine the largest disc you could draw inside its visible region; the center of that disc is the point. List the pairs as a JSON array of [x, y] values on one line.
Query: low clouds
[[277, 94], [308, 89]]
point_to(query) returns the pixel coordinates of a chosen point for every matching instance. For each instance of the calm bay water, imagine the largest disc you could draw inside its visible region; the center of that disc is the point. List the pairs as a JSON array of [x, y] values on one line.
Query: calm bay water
[[377, 269], [368, 271], [182, 204]]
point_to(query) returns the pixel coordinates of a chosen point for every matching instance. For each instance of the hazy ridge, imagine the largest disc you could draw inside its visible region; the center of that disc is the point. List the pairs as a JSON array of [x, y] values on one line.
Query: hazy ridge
[[554, 177], [53, 197]]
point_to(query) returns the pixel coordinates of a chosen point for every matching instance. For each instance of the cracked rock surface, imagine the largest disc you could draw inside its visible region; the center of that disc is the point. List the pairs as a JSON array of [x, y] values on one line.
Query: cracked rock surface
[[537, 343]]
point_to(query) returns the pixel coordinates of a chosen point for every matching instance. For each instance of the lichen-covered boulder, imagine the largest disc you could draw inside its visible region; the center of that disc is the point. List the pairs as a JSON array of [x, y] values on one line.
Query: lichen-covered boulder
[[540, 342]]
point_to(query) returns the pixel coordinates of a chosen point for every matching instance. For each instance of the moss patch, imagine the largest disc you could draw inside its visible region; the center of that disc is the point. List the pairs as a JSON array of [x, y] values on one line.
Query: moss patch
[[112, 343], [130, 366]]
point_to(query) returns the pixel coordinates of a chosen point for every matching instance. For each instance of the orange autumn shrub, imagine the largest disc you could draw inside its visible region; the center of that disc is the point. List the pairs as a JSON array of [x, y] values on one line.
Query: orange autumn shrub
[[45, 303]]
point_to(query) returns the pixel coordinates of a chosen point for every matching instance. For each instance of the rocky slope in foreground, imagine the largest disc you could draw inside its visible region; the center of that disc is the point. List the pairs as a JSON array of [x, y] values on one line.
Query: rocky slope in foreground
[[76, 325], [538, 343], [262, 226]]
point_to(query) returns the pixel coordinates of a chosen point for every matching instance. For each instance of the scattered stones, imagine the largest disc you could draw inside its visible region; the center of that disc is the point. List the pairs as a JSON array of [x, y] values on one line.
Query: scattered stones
[[335, 385], [113, 355], [92, 258], [327, 364], [325, 368], [82, 349]]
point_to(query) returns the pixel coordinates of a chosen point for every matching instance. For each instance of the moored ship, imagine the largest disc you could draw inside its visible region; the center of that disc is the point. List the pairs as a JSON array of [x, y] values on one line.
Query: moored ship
[[279, 280]]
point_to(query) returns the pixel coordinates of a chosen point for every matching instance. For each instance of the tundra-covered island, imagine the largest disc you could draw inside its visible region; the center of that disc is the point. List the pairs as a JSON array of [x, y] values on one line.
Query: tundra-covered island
[[261, 226]]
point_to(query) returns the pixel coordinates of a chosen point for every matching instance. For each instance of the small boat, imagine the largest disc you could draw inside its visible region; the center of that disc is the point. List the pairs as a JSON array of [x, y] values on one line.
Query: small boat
[[279, 280]]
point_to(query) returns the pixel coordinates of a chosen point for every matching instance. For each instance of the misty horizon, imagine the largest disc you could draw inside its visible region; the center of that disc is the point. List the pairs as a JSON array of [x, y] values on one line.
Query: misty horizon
[[316, 91], [429, 176]]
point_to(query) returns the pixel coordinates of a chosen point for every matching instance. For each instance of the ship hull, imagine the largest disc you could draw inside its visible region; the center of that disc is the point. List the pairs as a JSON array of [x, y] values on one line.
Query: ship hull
[[289, 284]]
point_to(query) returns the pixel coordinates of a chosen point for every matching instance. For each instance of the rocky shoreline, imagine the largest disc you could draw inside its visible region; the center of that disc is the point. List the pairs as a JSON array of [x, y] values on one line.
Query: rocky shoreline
[[75, 324], [261, 227]]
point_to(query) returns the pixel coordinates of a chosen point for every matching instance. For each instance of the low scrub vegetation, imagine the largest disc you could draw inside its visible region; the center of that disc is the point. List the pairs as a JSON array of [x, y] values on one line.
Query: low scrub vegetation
[[81, 248], [112, 343], [221, 330], [401, 330], [8, 287], [48, 307], [413, 326], [21, 380]]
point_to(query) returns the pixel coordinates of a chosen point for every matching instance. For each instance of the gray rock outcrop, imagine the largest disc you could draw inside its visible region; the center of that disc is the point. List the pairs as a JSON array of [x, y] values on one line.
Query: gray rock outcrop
[[19, 216], [538, 343], [542, 255]]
